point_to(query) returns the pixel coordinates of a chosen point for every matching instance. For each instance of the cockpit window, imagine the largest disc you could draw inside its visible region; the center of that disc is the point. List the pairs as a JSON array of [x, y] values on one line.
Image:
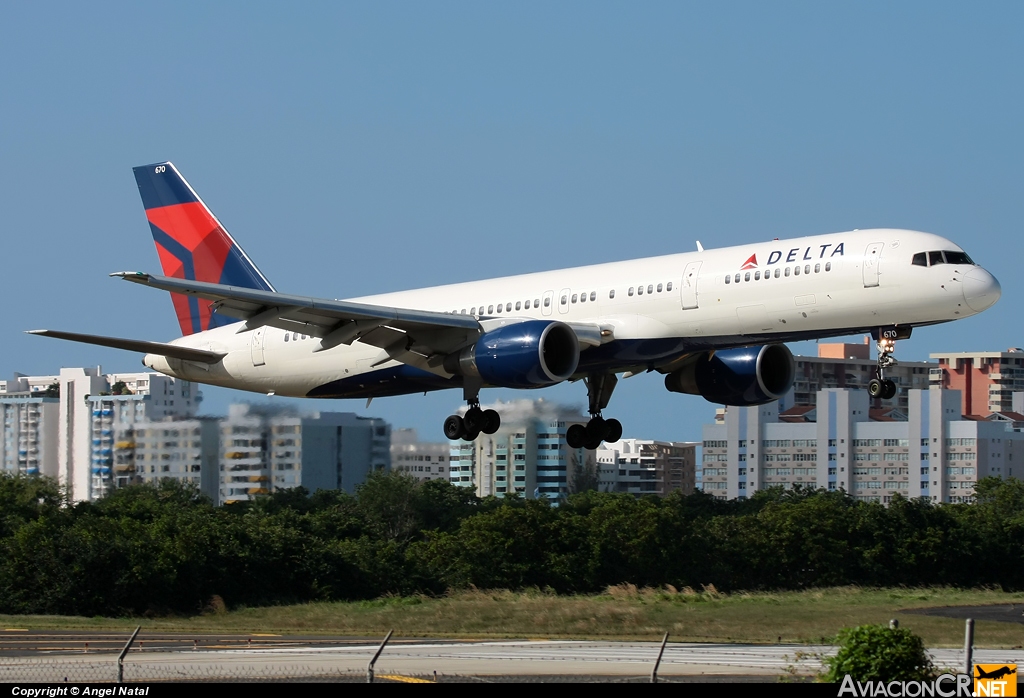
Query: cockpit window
[[920, 259], [935, 258], [957, 258]]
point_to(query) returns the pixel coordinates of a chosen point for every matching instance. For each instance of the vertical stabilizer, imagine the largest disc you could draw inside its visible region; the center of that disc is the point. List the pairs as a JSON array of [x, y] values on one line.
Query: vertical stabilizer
[[192, 244]]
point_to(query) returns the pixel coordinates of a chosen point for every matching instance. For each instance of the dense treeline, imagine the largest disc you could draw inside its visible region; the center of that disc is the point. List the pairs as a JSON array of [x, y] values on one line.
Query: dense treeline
[[167, 549]]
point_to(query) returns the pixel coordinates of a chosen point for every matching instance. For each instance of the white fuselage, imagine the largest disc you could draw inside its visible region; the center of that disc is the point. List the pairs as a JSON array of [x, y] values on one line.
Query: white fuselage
[[777, 291]]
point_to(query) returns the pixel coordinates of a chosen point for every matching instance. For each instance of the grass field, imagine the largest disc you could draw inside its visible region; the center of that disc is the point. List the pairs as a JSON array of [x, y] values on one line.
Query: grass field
[[621, 613]]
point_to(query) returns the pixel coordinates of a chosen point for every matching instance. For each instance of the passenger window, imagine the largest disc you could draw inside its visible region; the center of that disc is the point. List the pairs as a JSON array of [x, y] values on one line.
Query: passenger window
[[286, 335], [565, 300], [593, 295], [574, 298], [920, 260], [746, 277], [757, 276], [630, 293], [547, 302], [508, 307], [519, 305], [737, 279], [611, 294], [828, 266], [796, 271], [807, 268], [490, 310], [777, 273], [787, 271], [472, 311], [659, 288], [527, 305], [817, 268], [583, 298], [669, 286], [728, 279], [935, 258], [463, 311], [650, 288], [499, 307], [639, 290], [536, 302]]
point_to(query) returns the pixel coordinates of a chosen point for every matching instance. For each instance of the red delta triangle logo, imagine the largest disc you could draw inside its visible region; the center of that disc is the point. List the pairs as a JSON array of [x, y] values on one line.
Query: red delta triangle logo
[[751, 263]]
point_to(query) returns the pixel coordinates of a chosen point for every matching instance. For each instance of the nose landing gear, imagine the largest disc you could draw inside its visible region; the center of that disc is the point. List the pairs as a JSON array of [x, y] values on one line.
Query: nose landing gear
[[598, 429], [880, 386]]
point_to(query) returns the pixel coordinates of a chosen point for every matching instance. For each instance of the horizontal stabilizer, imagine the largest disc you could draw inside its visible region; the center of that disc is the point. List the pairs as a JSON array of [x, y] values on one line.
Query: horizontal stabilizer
[[171, 350]]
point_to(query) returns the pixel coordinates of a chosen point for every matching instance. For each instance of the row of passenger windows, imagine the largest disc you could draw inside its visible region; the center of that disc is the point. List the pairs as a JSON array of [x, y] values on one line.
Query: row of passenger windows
[[930, 259], [779, 272], [295, 336], [565, 299], [507, 307], [651, 288]]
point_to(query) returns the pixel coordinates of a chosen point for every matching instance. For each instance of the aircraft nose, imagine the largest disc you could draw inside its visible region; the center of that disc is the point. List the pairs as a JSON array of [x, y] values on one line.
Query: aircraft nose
[[981, 290]]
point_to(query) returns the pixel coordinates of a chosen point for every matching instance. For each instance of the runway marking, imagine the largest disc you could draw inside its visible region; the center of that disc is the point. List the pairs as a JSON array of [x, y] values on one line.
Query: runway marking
[[403, 679], [15, 630], [265, 635]]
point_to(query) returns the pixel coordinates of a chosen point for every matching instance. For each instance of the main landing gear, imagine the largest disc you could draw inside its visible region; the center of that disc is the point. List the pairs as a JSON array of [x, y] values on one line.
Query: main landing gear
[[598, 429], [475, 421], [880, 386]]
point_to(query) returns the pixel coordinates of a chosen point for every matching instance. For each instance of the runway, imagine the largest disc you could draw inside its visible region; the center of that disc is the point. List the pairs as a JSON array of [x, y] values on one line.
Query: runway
[[347, 659]]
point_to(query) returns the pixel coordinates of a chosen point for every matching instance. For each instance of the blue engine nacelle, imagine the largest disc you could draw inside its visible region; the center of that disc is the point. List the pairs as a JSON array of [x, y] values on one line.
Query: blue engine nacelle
[[528, 354], [743, 376]]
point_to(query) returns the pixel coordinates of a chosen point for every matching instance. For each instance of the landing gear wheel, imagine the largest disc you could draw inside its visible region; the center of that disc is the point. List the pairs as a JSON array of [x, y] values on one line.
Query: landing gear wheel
[[888, 389], [473, 420], [875, 388], [453, 427], [470, 434], [575, 436], [491, 422], [612, 430]]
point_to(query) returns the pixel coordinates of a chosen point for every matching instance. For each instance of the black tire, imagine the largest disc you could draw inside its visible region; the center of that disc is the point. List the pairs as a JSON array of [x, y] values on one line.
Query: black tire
[[592, 442], [888, 389], [492, 422], [575, 436], [612, 430], [453, 427], [473, 419], [875, 388], [470, 435]]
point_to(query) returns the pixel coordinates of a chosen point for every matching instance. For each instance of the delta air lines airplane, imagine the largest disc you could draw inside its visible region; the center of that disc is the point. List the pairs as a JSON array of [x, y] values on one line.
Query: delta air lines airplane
[[713, 322]]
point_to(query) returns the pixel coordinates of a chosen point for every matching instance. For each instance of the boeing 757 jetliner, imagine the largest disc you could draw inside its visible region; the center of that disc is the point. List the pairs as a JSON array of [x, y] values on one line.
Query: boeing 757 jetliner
[[713, 322]]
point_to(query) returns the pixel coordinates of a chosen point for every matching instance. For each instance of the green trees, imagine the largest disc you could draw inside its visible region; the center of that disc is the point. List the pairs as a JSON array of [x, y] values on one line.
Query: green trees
[[878, 653], [167, 549]]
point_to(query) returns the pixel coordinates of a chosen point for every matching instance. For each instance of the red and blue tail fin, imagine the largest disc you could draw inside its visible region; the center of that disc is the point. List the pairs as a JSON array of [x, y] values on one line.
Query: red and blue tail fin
[[192, 244]]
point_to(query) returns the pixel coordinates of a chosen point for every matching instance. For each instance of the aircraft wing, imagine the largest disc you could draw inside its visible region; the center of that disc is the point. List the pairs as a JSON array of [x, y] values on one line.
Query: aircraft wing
[[416, 337]]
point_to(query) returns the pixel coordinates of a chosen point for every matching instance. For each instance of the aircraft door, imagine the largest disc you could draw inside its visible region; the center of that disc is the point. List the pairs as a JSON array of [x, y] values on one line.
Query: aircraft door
[[563, 301], [871, 257], [256, 346], [548, 297], [688, 289]]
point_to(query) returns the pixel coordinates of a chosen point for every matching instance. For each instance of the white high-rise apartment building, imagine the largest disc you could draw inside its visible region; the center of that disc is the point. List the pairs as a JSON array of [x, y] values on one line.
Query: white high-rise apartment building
[[935, 453], [66, 426], [641, 466], [527, 456], [423, 460]]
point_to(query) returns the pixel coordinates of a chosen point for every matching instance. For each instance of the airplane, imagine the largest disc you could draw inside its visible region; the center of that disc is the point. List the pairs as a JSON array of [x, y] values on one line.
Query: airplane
[[714, 322]]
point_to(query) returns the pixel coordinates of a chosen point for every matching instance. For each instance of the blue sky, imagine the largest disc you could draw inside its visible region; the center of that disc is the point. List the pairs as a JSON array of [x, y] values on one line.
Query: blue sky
[[361, 148]]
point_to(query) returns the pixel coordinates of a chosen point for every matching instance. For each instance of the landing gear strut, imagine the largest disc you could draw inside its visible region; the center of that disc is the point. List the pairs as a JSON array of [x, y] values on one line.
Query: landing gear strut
[[475, 420], [598, 429], [880, 386]]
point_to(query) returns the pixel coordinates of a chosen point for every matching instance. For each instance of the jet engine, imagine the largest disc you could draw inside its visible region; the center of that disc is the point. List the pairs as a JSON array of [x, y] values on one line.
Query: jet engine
[[528, 354], [743, 376]]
